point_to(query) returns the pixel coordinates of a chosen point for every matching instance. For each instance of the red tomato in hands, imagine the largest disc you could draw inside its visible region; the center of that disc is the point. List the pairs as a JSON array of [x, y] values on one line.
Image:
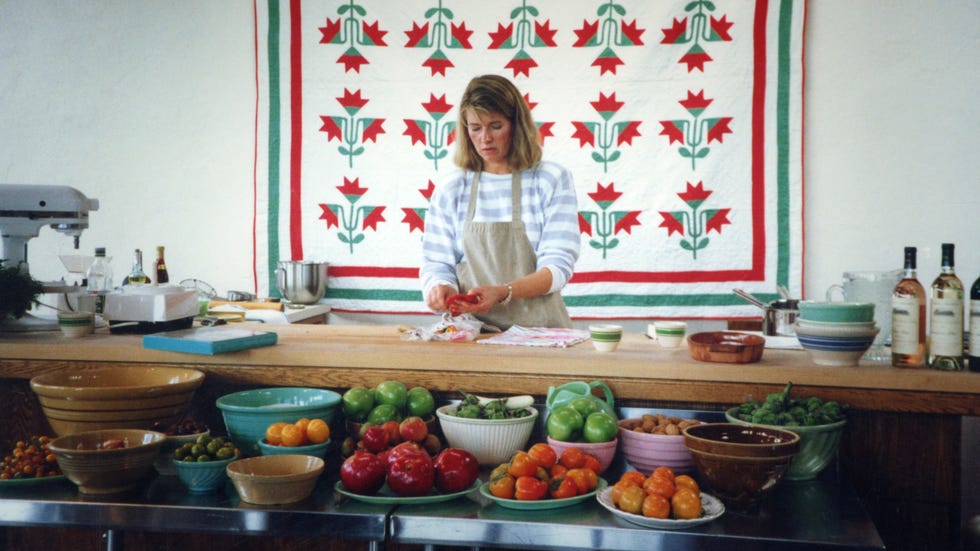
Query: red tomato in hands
[[362, 473], [411, 475], [452, 303], [456, 470]]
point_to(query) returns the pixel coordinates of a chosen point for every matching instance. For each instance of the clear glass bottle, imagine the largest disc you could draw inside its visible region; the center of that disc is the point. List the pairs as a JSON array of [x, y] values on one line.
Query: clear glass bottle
[[137, 276], [974, 355], [909, 317], [99, 278], [946, 317], [161, 268]]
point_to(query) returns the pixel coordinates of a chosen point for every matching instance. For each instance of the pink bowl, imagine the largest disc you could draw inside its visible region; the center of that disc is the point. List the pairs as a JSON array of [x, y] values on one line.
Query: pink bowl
[[604, 451], [645, 451]]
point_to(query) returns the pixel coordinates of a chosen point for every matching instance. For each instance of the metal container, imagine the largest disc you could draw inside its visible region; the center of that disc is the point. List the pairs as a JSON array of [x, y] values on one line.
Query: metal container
[[301, 281], [781, 317]]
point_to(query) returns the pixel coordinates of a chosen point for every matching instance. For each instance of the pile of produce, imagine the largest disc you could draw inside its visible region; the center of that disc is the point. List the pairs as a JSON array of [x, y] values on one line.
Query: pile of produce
[[661, 495], [474, 407], [409, 471], [379, 439], [581, 420], [29, 459], [388, 401], [781, 409], [205, 448], [183, 428], [539, 473], [301, 433]]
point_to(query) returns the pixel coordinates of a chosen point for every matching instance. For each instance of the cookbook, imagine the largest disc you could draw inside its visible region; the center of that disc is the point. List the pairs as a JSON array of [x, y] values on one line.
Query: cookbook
[[209, 340]]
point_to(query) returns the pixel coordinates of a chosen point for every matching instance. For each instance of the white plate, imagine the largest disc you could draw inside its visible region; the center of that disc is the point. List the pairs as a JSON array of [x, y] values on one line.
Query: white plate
[[711, 507]]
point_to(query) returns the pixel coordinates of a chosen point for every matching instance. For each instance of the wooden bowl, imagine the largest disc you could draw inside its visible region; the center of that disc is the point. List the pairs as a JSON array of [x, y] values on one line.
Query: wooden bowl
[[726, 347]]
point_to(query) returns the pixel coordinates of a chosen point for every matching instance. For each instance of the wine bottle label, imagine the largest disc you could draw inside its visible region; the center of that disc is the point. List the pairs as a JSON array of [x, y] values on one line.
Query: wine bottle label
[[974, 329], [946, 327], [905, 325]]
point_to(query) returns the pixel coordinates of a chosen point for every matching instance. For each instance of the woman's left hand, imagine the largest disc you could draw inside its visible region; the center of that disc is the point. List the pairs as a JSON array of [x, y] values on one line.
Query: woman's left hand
[[481, 299]]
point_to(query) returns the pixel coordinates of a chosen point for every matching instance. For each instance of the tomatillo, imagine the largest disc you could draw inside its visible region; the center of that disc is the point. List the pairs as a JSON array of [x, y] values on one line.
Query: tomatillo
[[420, 402], [600, 427], [391, 392], [585, 405], [383, 413], [358, 402], [565, 423]]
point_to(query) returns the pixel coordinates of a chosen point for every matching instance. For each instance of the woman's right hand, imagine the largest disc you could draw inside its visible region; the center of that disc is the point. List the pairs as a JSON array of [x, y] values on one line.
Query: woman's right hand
[[436, 298]]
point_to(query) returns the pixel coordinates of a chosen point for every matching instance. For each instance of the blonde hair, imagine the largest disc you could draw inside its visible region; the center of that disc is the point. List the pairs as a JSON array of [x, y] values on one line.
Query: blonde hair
[[489, 94]]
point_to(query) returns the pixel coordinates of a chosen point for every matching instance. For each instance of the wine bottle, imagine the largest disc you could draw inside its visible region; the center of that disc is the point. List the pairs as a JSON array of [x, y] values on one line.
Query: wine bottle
[[975, 326], [137, 276], [909, 317], [161, 268], [946, 317]]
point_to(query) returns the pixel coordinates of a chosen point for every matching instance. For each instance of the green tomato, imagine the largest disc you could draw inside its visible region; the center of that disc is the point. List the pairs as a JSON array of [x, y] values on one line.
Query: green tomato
[[391, 392], [383, 413], [420, 402], [565, 423], [357, 402], [600, 427], [585, 405]]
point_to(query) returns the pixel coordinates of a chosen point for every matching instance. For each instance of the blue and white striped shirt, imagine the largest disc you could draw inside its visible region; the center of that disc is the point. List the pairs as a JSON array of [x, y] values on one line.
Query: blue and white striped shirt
[[549, 210]]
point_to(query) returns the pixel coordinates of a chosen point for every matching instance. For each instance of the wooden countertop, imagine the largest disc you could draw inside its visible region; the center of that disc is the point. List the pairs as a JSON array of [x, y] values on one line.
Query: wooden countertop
[[339, 356]]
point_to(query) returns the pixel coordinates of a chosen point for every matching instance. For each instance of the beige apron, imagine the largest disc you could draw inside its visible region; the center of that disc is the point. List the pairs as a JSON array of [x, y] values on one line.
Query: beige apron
[[499, 252]]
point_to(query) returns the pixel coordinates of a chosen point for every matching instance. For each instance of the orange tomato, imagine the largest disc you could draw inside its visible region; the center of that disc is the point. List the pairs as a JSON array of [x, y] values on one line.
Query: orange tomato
[[616, 492], [664, 471], [592, 462], [273, 434], [635, 476], [632, 500], [558, 470], [522, 464], [502, 486], [292, 435], [659, 485], [529, 488], [686, 504], [655, 506], [302, 423], [561, 488], [585, 479], [317, 431], [572, 458], [685, 481], [545, 455]]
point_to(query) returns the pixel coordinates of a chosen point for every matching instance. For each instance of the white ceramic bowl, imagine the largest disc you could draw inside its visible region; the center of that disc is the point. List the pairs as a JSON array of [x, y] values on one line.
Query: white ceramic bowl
[[492, 441], [834, 349], [76, 324], [837, 328]]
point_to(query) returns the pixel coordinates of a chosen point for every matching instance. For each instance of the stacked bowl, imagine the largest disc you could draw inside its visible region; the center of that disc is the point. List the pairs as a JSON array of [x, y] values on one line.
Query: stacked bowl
[[836, 333]]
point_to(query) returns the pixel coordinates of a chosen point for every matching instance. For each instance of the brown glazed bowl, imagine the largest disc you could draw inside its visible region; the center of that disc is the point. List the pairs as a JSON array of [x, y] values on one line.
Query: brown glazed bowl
[[107, 471], [741, 464], [726, 347]]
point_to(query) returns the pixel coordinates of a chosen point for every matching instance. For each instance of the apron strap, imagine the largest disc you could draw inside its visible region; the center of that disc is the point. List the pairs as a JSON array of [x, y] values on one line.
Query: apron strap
[[515, 197]]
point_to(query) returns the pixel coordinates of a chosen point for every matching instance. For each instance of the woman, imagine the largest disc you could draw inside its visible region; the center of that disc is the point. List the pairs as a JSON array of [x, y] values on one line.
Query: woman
[[504, 229]]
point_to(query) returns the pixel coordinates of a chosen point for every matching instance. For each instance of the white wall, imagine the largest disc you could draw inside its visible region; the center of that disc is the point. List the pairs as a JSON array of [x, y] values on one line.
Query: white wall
[[149, 107]]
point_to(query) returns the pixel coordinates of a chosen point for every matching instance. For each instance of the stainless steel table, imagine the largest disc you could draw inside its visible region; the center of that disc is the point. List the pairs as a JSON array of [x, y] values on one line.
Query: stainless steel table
[[821, 514]]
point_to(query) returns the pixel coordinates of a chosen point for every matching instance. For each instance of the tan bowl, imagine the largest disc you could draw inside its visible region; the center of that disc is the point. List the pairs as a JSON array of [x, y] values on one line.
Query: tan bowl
[[124, 397], [275, 479], [726, 347], [107, 471]]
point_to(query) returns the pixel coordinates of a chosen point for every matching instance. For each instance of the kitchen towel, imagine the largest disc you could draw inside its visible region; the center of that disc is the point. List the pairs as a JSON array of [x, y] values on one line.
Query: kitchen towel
[[681, 122]]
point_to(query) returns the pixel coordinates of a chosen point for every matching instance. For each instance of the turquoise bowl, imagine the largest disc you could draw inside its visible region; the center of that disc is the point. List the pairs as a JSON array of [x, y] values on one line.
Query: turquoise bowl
[[247, 414], [203, 476], [318, 450], [846, 312], [818, 446]]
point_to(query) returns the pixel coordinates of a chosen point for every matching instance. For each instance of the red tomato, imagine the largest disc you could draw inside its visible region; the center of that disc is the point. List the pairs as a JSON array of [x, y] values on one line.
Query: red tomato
[[522, 464], [411, 475], [362, 473], [405, 449], [451, 302], [456, 470], [562, 488], [544, 454], [529, 488], [413, 429]]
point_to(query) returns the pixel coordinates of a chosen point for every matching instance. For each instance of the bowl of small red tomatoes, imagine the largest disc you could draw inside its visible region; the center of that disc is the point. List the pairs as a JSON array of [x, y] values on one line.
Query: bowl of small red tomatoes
[[541, 478]]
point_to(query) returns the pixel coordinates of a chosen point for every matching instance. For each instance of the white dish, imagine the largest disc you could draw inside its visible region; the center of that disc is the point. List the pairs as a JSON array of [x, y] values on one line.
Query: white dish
[[711, 506]]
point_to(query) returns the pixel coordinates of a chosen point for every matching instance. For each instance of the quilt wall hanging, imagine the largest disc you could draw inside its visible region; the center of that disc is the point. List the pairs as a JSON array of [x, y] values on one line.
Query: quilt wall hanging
[[680, 120]]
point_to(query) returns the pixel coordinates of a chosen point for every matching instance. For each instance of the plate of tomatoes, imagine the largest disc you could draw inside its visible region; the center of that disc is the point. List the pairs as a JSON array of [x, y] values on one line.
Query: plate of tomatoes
[[387, 497], [544, 503], [661, 500]]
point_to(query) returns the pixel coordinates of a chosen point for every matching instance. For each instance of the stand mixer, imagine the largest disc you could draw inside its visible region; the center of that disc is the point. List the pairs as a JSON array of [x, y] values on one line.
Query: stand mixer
[[24, 210]]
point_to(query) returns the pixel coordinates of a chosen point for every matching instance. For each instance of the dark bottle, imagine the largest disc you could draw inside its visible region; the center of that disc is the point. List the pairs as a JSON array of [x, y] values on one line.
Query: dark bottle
[[974, 356], [946, 317], [137, 276], [161, 268]]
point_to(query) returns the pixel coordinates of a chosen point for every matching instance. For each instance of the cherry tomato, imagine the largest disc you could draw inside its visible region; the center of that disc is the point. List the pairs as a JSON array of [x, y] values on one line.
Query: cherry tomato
[[530, 488]]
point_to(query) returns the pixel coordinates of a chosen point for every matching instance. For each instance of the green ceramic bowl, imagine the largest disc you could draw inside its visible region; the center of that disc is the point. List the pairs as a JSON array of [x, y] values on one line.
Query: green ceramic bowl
[[846, 312], [818, 446], [203, 476], [248, 413]]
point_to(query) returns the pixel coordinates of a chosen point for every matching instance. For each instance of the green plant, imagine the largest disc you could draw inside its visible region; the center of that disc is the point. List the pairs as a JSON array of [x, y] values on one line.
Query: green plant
[[18, 290]]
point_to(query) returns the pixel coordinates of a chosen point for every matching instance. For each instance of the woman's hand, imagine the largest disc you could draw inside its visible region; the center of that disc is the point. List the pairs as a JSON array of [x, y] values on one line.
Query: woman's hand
[[481, 299], [436, 298]]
